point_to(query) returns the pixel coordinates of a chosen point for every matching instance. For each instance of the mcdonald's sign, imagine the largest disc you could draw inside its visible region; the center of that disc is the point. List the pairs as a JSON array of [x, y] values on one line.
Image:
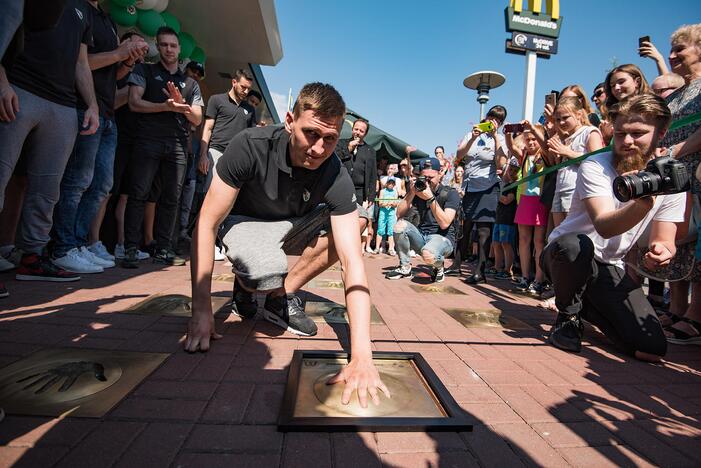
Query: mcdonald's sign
[[534, 20]]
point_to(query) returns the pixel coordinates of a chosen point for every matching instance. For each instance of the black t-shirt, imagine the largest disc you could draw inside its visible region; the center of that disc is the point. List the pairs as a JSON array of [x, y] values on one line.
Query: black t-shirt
[[104, 34], [257, 162], [355, 164], [428, 223], [46, 67], [506, 213], [164, 126], [125, 119], [229, 119]]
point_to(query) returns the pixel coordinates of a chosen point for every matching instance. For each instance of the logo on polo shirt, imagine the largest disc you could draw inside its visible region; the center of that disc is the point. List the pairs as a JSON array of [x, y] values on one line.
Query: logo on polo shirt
[[306, 195], [245, 112], [159, 78], [354, 199], [182, 85], [79, 13]]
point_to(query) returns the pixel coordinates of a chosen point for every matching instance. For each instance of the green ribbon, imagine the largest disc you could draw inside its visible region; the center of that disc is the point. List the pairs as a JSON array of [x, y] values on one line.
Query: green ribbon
[[675, 125]]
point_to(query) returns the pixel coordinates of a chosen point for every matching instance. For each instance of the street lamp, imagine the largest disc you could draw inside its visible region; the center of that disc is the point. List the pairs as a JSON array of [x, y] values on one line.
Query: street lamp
[[483, 81]]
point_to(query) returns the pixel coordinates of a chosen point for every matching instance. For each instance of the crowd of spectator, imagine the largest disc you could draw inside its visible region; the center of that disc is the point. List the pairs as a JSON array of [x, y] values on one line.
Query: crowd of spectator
[[90, 132]]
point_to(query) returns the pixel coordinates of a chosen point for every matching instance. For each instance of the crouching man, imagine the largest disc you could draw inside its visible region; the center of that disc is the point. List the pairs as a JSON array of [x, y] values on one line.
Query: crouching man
[[437, 206], [277, 192], [584, 255]]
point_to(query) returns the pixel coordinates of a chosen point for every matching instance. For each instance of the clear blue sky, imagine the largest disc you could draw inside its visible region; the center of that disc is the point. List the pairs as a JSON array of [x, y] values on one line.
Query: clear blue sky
[[401, 63]]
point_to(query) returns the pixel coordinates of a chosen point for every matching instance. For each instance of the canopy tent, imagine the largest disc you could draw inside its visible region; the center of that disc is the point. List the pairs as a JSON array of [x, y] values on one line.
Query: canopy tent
[[387, 146]]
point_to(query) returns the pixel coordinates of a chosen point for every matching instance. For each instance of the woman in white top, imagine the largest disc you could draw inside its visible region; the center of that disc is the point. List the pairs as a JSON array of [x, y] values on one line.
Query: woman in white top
[[575, 137]]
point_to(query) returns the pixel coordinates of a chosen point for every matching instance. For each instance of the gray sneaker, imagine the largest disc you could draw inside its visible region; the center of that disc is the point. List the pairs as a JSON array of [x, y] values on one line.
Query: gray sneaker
[[288, 312]]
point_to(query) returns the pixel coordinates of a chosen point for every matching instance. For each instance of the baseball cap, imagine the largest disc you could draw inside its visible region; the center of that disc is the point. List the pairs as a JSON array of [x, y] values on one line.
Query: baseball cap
[[196, 66], [429, 163]]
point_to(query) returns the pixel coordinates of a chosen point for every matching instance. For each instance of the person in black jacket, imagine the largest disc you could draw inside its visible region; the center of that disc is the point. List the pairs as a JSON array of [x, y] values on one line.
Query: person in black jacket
[[360, 161]]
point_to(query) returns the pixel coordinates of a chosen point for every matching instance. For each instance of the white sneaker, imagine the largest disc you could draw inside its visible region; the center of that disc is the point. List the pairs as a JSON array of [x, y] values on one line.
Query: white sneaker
[[6, 265], [369, 250], [74, 261], [392, 252], [119, 251], [94, 259], [218, 254], [412, 253], [99, 250], [142, 255]]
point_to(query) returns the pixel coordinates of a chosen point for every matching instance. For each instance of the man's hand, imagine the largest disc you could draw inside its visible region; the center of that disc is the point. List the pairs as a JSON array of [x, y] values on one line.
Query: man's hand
[[200, 330], [203, 164], [9, 103], [658, 256], [176, 102], [91, 121], [361, 375], [426, 194], [132, 50], [353, 144]]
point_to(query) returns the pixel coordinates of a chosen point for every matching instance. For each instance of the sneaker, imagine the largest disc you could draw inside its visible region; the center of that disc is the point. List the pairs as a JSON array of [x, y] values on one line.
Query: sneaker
[[522, 284], [5, 264], [369, 250], [218, 254], [491, 271], [566, 333], [130, 258], [168, 257], [243, 302], [94, 259], [437, 275], [184, 236], [535, 288], [34, 267], [412, 253], [119, 251], [399, 273], [288, 312], [502, 275], [14, 256], [392, 252], [3, 291], [99, 250], [74, 261]]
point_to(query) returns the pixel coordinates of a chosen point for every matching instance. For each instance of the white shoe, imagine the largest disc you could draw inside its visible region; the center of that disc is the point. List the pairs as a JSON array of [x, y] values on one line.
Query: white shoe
[[74, 261], [392, 252], [119, 251], [99, 250], [6, 265], [94, 259], [218, 254], [369, 250], [412, 253], [142, 255]]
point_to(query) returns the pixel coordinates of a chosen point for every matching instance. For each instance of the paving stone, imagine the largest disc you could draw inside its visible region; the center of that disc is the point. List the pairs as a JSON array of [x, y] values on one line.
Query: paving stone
[[306, 449], [156, 445], [613, 456], [422, 460], [413, 442], [352, 450], [146, 409], [112, 438], [239, 439], [489, 448], [229, 403], [226, 460], [30, 431]]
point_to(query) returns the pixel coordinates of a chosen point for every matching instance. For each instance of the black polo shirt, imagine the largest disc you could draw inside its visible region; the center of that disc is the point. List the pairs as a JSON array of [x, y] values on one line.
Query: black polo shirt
[[257, 162], [428, 224], [104, 34], [164, 126], [46, 67], [125, 119], [355, 164], [229, 119]]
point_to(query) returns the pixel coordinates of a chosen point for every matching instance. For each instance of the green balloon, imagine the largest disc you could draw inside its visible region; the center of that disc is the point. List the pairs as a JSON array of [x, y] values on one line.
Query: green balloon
[[124, 3], [149, 22], [198, 55], [171, 21], [187, 45], [123, 16]]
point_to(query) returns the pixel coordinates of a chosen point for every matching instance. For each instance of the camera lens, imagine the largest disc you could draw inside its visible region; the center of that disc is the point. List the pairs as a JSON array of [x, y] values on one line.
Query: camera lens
[[623, 188]]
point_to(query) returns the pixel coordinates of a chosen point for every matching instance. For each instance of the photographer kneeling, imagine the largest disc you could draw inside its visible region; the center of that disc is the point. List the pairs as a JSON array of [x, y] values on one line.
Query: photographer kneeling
[[584, 255], [435, 235]]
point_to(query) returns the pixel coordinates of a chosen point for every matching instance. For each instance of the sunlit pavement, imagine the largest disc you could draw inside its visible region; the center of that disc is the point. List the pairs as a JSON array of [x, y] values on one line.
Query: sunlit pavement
[[530, 403]]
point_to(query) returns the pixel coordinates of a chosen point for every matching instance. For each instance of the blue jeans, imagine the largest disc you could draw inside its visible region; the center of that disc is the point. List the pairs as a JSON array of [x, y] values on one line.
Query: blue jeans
[[410, 238], [86, 182]]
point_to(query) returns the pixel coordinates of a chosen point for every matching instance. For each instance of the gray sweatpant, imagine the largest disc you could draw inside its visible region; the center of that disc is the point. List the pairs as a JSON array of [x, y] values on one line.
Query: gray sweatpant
[[43, 132]]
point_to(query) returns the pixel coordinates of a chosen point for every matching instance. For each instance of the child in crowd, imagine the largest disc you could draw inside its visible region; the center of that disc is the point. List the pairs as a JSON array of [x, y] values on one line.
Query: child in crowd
[[388, 201], [504, 235]]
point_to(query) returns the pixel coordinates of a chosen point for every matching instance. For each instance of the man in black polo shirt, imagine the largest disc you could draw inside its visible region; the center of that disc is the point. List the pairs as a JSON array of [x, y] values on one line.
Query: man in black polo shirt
[[37, 111], [277, 190], [89, 174], [167, 103], [360, 161]]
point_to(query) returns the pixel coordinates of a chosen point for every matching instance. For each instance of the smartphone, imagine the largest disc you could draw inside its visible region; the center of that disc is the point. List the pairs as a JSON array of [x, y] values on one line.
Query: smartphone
[[551, 99], [643, 39], [513, 128], [485, 127], [594, 119]]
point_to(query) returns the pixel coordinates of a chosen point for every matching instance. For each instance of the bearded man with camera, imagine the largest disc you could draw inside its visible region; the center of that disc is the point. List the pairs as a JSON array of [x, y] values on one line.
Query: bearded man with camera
[[614, 204], [434, 237]]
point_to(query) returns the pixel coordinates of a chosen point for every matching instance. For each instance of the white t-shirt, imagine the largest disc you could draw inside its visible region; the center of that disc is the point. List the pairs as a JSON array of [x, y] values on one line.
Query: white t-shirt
[[480, 170], [595, 179], [567, 177]]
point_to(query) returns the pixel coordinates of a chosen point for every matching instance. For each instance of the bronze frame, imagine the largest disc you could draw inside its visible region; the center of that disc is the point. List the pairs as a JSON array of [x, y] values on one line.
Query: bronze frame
[[455, 421]]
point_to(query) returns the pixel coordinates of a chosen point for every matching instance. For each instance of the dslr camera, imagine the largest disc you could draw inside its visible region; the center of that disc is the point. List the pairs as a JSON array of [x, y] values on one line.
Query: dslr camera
[[662, 176], [420, 183]]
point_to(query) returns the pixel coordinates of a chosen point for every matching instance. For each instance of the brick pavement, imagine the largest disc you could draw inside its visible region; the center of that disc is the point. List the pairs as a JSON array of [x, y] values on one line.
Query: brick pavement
[[530, 403]]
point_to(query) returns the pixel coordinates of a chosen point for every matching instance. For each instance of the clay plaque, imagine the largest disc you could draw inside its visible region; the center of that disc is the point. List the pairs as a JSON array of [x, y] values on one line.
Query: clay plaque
[[332, 312]]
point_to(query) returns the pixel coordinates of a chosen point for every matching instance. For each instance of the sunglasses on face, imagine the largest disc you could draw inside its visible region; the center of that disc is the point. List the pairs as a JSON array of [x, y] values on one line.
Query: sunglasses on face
[[597, 94]]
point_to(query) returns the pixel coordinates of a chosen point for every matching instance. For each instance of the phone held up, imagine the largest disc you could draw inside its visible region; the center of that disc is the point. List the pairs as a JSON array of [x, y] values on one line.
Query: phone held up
[[485, 127], [643, 39], [513, 128], [551, 99]]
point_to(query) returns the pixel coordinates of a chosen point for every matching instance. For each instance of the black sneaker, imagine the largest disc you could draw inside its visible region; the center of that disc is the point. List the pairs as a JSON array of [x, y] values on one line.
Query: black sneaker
[[288, 312], [168, 257], [566, 333], [437, 275], [243, 302], [35, 267], [3, 290], [131, 258], [399, 273]]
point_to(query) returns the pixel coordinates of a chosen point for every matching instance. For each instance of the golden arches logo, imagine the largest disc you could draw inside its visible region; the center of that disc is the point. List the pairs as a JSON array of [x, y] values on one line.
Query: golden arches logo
[[552, 7]]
